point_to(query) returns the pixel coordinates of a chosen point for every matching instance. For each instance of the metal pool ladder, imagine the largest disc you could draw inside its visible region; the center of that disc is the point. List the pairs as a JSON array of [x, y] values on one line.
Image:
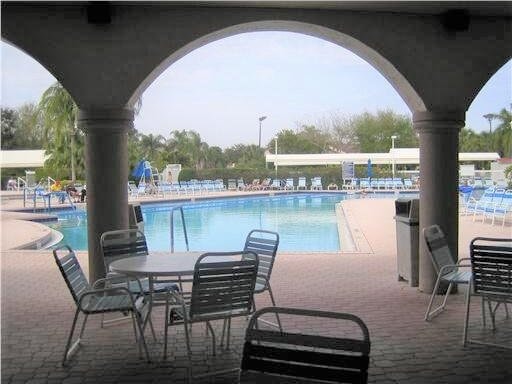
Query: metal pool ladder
[[180, 208]]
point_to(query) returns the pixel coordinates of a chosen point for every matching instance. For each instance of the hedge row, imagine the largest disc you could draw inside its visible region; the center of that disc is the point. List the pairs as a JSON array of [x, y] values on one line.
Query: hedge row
[[329, 174]]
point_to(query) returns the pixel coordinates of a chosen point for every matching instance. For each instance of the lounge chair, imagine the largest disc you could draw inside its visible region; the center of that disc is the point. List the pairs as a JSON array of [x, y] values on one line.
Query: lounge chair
[[491, 198], [302, 183], [276, 184], [289, 184], [364, 183], [501, 208], [408, 184], [303, 356], [240, 185], [255, 185], [231, 185], [316, 184], [265, 184]]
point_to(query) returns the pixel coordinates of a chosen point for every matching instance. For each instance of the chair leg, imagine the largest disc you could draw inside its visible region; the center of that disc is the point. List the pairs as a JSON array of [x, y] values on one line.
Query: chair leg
[[466, 318], [484, 320], [213, 336], [69, 348], [274, 304], [141, 334], [428, 314], [450, 286], [83, 326], [166, 325], [189, 352], [229, 332]]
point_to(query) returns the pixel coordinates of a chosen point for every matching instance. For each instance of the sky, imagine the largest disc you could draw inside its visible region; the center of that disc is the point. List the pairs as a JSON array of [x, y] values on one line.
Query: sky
[[228, 84]]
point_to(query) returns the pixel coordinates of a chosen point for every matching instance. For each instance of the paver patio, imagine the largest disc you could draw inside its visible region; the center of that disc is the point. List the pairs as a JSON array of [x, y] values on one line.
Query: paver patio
[[37, 312]]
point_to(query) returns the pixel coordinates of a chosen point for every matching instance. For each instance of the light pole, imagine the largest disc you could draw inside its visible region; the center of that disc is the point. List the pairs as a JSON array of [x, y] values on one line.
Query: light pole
[[275, 154], [260, 119], [393, 155]]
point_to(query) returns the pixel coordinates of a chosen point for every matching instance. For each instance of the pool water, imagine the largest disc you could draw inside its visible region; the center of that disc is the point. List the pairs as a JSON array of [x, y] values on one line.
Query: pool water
[[305, 222]]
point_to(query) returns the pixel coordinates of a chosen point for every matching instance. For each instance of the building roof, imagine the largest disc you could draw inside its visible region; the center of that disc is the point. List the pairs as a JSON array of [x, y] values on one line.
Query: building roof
[[22, 159], [397, 155]]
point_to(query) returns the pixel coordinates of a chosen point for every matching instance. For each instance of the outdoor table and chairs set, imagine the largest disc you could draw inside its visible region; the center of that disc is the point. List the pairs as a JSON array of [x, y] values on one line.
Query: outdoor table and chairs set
[[204, 287]]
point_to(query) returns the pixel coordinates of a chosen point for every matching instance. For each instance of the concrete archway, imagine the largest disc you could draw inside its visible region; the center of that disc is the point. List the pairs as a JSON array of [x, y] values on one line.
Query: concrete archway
[[435, 58], [376, 60]]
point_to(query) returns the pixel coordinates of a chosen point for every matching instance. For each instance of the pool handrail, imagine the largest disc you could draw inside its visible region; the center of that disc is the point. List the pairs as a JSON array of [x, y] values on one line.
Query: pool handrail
[[180, 208]]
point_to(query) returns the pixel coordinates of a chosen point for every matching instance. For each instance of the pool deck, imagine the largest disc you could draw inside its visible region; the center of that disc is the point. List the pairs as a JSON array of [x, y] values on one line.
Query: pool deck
[[37, 311]]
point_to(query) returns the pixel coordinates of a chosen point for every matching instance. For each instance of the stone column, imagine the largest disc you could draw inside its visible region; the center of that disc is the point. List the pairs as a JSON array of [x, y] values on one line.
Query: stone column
[[439, 170], [106, 164]]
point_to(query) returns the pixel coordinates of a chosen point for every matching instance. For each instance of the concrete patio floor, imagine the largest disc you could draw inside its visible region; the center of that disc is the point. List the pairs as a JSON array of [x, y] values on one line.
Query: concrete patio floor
[[37, 312]]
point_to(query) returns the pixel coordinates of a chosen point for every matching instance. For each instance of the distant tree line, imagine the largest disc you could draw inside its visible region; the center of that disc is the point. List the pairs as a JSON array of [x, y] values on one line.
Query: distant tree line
[[51, 125]]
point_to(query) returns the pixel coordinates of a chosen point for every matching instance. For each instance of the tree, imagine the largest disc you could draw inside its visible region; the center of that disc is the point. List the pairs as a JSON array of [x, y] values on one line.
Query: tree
[[342, 132], [62, 140], [10, 124], [186, 147], [247, 156], [503, 133], [374, 132], [151, 145], [30, 131]]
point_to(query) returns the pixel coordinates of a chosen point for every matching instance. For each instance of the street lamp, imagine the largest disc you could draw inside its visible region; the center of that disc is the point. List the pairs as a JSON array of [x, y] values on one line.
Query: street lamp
[[260, 119], [275, 155], [393, 155]]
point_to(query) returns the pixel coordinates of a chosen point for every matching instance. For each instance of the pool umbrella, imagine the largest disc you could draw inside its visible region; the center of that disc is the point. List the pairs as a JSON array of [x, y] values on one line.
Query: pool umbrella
[[369, 170]]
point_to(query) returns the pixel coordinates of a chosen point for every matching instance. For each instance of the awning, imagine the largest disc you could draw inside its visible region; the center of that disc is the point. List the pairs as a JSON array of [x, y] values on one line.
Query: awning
[[22, 159], [397, 155]]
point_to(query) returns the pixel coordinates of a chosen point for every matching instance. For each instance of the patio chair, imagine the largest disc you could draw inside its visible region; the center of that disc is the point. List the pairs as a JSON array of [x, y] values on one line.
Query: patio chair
[[264, 244], [125, 243], [292, 357], [491, 264], [447, 268], [222, 288], [91, 300]]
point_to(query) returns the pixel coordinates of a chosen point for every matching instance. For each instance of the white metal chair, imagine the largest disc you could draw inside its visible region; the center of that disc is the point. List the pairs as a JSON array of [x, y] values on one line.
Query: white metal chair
[[92, 300], [447, 268], [222, 288], [125, 243], [264, 244], [284, 357], [491, 264]]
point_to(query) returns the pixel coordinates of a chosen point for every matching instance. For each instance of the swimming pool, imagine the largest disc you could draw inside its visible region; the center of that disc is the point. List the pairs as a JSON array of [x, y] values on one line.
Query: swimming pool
[[304, 221]]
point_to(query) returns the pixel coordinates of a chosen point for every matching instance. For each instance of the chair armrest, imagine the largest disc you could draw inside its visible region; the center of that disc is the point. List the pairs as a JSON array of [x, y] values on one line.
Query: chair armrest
[[118, 277], [463, 259], [95, 292]]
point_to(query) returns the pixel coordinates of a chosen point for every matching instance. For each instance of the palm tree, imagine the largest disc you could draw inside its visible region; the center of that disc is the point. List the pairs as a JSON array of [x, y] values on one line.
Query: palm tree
[[503, 133], [59, 113]]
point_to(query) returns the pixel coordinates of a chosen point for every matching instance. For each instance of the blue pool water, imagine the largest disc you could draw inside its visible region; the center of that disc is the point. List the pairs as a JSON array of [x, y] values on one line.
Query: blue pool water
[[305, 222]]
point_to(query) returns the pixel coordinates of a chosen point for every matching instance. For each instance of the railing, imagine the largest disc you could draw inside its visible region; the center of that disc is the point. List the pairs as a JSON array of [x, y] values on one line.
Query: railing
[[172, 227], [21, 182]]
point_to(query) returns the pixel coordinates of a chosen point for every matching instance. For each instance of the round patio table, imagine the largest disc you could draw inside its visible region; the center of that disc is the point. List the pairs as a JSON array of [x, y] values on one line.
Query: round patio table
[[154, 265]]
